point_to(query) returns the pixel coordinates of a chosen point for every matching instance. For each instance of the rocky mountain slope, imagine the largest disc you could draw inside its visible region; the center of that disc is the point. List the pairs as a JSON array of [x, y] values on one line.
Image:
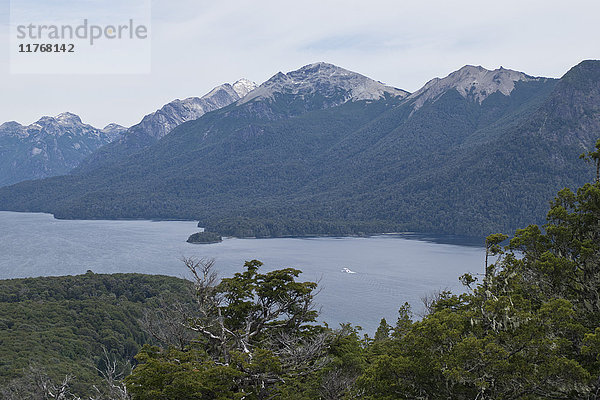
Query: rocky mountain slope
[[334, 84], [472, 82]]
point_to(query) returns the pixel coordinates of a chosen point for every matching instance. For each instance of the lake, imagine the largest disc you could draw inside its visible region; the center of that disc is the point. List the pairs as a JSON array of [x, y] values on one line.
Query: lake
[[388, 269]]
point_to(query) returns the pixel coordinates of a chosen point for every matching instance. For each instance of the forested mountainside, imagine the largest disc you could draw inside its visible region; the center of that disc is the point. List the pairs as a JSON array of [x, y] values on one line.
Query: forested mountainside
[[323, 150]]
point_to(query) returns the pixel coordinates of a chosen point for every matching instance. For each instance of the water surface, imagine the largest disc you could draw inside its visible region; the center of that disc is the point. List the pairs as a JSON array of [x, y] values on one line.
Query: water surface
[[389, 269]]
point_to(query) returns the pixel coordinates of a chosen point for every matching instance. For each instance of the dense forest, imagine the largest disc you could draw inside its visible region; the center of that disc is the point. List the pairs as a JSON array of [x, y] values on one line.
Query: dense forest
[[62, 325]]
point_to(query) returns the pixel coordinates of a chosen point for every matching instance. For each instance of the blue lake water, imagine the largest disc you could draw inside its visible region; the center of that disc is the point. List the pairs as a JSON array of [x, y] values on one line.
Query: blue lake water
[[389, 269]]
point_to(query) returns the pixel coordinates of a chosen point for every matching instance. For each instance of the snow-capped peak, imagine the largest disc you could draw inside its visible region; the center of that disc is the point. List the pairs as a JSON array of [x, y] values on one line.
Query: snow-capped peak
[[68, 118], [474, 82], [65, 119], [244, 86], [337, 84]]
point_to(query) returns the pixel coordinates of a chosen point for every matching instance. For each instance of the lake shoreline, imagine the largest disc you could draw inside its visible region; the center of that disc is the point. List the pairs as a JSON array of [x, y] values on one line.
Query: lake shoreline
[[435, 237]]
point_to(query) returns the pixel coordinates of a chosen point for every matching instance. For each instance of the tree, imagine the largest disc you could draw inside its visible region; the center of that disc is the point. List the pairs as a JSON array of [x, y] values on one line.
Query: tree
[[492, 248], [529, 330], [255, 331], [383, 331], [564, 261], [36, 384]]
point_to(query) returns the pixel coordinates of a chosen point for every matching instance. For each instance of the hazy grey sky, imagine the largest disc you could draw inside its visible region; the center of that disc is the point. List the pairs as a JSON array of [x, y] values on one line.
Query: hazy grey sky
[[198, 44]]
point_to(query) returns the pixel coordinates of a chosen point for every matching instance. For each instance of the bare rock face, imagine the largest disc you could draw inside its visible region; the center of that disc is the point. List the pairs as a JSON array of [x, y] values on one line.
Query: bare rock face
[[473, 82], [113, 131]]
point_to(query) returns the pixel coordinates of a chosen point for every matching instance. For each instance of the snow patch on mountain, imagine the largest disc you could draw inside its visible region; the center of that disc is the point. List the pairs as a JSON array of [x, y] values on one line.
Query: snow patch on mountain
[[243, 87], [63, 124], [67, 118], [113, 131]]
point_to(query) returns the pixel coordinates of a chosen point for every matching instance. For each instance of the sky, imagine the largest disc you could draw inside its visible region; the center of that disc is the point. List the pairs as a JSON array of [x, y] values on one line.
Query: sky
[[198, 44]]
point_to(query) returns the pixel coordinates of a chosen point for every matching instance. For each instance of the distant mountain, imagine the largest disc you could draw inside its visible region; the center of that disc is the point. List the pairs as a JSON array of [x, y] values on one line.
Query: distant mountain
[[323, 150], [158, 124], [324, 85], [471, 82], [51, 146]]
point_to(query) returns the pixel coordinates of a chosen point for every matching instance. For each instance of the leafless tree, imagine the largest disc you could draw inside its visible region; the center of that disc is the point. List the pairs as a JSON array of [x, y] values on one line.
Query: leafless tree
[[303, 355], [113, 374], [35, 384], [336, 384], [168, 324], [429, 300]]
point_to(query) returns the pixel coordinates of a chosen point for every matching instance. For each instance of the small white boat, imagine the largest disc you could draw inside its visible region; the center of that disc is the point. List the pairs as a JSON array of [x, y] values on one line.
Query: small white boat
[[347, 270]]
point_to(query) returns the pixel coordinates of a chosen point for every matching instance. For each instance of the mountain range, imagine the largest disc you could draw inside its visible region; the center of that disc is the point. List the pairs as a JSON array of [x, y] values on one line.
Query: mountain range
[[323, 150], [51, 146], [63, 144]]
